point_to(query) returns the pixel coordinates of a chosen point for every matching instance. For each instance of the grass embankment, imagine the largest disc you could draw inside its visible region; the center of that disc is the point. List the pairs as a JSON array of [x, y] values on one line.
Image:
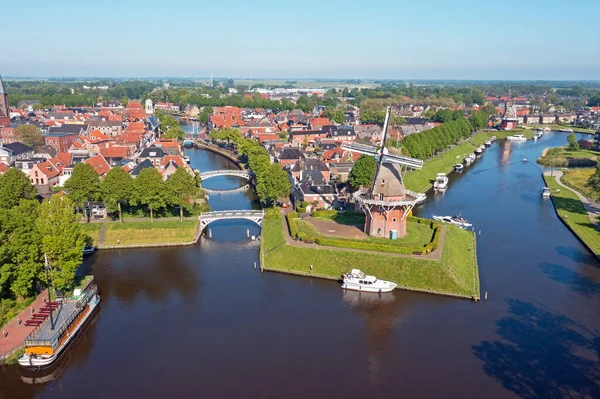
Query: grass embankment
[[454, 274], [92, 230], [571, 159], [577, 178], [9, 308], [148, 233], [576, 129], [568, 204], [422, 180], [423, 236]]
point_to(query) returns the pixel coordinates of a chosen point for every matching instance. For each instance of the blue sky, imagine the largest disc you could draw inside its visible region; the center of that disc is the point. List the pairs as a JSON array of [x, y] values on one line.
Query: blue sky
[[432, 39]]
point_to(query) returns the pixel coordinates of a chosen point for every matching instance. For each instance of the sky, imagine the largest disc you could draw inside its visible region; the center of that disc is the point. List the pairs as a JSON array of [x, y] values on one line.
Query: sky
[[432, 39]]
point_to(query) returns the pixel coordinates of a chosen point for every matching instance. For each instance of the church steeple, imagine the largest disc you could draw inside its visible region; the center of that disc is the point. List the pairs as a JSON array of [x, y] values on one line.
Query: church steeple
[[4, 112]]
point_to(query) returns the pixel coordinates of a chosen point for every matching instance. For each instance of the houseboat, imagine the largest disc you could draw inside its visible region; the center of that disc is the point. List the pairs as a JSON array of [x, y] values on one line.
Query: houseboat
[[57, 323], [358, 281]]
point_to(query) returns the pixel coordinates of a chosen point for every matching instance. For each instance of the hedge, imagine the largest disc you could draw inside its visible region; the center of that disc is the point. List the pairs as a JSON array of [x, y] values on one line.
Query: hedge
[[293, 226], [273, 213], [367, 246]]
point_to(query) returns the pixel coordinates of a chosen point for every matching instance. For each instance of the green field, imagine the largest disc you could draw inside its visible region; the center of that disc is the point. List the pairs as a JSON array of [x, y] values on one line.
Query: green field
[[568, 204], [455, 274], [148, 233], [92, 230], [577, 178], [581, 154]]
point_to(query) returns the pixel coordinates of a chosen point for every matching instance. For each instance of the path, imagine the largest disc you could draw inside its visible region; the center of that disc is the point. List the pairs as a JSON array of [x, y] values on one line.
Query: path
[[17, 333], [435, 255], [591, 206], [101, 234]]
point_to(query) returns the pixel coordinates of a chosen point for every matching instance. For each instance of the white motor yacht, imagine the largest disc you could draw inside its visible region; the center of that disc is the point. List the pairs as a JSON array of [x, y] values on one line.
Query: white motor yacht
[[454, 220], [359, 281], [441, 181], [459, 167], [545, 192], [488, 143], [517, 137]]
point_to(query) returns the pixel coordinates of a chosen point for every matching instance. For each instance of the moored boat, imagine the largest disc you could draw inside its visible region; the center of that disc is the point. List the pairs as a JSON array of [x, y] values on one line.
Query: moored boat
[[57, 324], [456, 220], [517, 137], [546, 129], [488, 143], [88, 250], [567, 130], [186, 159], [441, 181], [358, 281], [545, 192], [459, 167]]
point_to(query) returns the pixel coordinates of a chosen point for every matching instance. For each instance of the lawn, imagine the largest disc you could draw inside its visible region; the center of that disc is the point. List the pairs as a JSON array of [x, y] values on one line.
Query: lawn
[[568, 204], [419, 235], [577, 178], [581, 154], [454, 274], [165, 232], [92, 230]]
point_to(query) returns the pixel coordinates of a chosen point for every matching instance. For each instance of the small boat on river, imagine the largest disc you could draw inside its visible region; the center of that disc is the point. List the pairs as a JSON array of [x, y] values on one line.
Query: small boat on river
[[517, 137], [453, 220], [441, 181], [186, 159], [88, 250], [358, 281], [567, 130], [459, 167], [545, 192], [488, 143], [546, 129]]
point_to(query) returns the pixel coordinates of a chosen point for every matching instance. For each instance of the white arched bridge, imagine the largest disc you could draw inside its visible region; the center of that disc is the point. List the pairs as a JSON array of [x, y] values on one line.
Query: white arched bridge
[[226, 172], [207, 218]]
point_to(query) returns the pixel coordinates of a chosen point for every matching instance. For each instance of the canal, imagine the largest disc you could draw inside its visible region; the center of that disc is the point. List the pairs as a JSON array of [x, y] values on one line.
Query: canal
[[200, 321]]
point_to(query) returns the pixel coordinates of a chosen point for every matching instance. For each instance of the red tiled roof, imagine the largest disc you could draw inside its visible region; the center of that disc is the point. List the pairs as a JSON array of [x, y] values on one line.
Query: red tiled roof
[[97, 137], [48, 169], [114, 152], [175, 158], [99, 164], [66, 158], [134, 105], [319, 122], [3, 168]]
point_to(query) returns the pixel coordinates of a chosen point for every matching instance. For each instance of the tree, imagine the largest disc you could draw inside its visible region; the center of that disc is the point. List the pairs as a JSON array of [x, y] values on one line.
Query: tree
[[594, 182], [204, 116], [363, 172], [30, 135], [14, 186], [174, 132], [83, 186], [443, 115], [182, 189], [572, 142], [116, 189], [124, 100], [62, 239], [20, 255], [272, 183], [150, 190], [479, 120]]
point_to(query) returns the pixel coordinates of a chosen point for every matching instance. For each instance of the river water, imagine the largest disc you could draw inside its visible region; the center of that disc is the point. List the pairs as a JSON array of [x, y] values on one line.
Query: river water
[[200, 321]]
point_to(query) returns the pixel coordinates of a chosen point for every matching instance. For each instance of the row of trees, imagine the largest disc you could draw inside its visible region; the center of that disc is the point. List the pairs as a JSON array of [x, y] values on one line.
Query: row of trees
[[272, 182], [119, 189], [426, 144], [28, 231]]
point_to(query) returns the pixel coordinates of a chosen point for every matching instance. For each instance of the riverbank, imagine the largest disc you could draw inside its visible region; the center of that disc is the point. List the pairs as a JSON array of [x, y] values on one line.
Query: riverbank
[[455, 274], [141, 234], [218, 150], [422, 180], [572, 211], [557, 128]]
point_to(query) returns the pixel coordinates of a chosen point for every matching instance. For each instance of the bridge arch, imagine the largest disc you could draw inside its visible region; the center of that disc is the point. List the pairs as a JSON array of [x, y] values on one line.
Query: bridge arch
[[207, 218], [226, 172]]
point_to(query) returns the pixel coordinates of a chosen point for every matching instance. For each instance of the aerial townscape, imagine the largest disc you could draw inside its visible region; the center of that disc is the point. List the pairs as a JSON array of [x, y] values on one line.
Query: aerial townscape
[[262, 226]]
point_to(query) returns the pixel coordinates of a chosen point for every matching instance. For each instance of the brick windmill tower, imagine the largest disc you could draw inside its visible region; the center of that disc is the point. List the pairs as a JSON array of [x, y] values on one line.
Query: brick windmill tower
[[4, 112], [387, 202]]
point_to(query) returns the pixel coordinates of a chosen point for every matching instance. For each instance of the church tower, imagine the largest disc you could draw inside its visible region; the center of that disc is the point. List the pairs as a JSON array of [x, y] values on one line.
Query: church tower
[[149, 108], [4, 112]]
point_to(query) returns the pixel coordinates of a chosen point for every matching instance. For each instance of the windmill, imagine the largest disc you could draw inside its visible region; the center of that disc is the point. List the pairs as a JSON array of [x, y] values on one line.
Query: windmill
[[387, 202]]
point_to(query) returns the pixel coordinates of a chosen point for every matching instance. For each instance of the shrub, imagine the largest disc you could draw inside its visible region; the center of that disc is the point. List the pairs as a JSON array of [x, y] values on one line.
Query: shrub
[[585, 144], [272, 213], [293, 226]]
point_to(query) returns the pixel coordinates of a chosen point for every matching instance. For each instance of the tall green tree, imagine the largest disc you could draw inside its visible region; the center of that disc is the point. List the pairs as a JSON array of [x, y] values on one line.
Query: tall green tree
[[594, 182], [30, 135], [572, 144], [363, 172], [182, 189], [14, 186], [443, 115], [479, 120], [62, 239], [116, 189], [20, 256], [272, 183], [150, 190], [83, 186]]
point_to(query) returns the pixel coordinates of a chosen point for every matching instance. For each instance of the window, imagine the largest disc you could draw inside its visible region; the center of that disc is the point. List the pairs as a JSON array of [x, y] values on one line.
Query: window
[[394, 220], [36, 173], [37, 181]]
